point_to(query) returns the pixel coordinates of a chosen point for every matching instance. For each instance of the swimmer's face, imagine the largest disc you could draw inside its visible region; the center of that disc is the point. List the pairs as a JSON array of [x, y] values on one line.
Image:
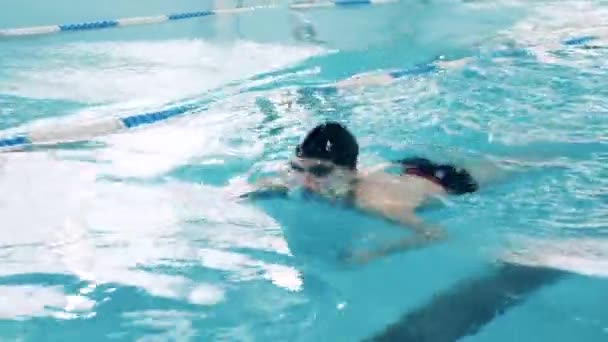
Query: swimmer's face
[[313, 172], [318, 175]]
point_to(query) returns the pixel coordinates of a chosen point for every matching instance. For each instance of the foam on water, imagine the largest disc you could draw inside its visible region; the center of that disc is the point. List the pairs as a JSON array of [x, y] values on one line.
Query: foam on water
[[550, 23], [585, 256], [146, 71], [103, 232], [22, 302], [152, 225]]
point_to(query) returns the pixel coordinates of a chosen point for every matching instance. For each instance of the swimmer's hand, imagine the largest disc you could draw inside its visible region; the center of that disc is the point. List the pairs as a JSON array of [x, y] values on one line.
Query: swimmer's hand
[[406, 244], [424, 233], [266, 188]]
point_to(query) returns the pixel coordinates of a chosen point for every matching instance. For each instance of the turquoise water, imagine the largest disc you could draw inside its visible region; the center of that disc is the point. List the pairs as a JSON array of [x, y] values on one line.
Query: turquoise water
[[131, 237]]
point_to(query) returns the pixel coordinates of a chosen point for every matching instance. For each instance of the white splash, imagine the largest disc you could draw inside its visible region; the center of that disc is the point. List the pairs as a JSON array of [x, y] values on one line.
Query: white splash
[[585, 256], [151, 71]]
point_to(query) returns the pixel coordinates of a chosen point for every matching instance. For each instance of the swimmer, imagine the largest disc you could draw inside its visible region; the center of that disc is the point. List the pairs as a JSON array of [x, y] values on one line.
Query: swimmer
[[325, 165]]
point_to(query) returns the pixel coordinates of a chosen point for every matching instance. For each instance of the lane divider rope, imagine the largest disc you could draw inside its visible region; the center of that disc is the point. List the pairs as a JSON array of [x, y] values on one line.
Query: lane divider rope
[[104, 126], [124, 22]]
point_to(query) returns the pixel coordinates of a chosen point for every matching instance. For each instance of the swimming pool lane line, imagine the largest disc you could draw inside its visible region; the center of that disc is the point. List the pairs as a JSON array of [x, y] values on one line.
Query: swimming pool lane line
[[338, 3], [464, 309], [124, 22], [148, 20], [53, 134], [81, 132], [440, 63], [69, 133]]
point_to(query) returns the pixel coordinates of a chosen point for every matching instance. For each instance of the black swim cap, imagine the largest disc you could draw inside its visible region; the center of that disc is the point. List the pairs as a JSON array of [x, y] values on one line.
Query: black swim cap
[[330, 141]]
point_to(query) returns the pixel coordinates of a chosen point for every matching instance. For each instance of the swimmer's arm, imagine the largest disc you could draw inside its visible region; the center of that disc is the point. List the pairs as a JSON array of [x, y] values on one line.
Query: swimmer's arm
[[273, 184], [402, 245], [424, 235], [270, 186], [409, 220], [377, 168], [401, 215]]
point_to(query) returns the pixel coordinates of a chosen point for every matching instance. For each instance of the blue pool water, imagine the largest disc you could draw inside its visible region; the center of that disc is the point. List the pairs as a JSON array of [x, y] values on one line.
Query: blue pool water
[[131, 236]]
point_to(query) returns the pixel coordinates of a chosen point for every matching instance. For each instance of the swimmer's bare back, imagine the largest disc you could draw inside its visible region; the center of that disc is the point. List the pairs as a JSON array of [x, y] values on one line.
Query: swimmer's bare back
[[382, 191]]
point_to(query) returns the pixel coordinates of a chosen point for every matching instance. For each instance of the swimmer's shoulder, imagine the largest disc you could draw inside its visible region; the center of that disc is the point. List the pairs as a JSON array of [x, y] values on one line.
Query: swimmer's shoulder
[[380, 183], [387, 193]]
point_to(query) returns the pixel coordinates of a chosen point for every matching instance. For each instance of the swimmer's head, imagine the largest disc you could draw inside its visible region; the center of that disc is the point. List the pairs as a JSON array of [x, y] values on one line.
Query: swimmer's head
[[330, 142]]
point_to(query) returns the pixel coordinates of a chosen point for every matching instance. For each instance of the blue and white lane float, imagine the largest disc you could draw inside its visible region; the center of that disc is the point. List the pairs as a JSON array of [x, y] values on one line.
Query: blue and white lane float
[[385, 78], [124, 22], [53, 134], [339, 3], [439, 64], [84, 131], [580, 40]]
